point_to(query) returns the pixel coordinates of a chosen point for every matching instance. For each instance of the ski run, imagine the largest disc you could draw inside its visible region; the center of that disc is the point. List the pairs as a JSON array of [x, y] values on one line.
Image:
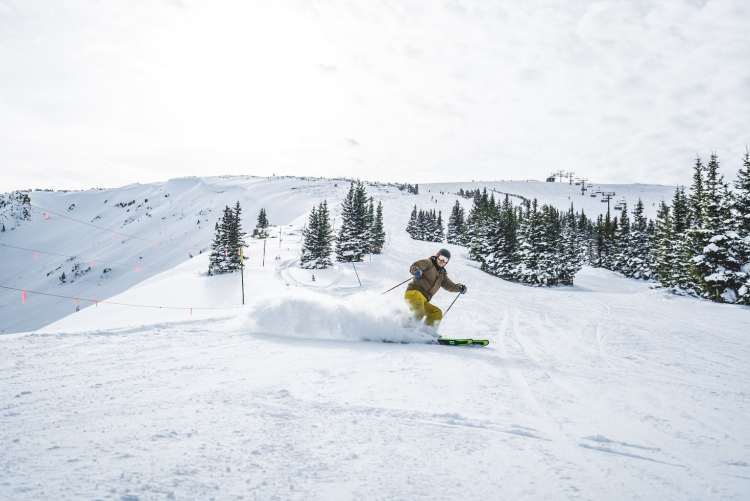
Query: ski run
[[607, 389]]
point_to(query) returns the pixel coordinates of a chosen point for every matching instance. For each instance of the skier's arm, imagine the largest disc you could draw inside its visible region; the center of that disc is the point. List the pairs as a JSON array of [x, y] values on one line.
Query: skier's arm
[[450, 286]]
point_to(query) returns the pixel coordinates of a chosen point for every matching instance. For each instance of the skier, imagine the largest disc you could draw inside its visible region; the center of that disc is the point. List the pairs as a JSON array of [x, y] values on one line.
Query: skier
[[429, 276]]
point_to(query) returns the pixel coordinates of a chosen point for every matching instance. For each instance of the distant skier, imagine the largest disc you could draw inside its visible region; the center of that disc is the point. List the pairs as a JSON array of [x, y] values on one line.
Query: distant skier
[[429, 276]]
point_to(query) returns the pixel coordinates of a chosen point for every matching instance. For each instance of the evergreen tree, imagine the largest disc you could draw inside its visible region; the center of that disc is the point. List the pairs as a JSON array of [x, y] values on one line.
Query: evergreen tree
[[439, 234], [309, 240], [261, 227], [571, 252], [228, 240], [664, 246], [742, 197], [717, 265], [411, 227], [696, 199], [369, 222], [215, 259], [352, 242], [318, 239], [639, 248], [456, 224], [236, 238], [681, 242], [622, 242], [742, 212], [378, 232]]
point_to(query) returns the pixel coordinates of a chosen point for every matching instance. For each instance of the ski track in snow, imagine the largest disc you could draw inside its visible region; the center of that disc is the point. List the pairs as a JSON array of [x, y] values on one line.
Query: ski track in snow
[[605, 390]]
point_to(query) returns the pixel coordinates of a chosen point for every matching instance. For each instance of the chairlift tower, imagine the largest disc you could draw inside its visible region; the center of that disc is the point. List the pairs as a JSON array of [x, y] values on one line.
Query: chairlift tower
[[582, 181], [606, 197]]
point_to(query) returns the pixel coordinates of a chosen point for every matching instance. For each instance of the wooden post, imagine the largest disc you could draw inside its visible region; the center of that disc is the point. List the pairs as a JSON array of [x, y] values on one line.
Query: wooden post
[[242, 275], [357, 274]]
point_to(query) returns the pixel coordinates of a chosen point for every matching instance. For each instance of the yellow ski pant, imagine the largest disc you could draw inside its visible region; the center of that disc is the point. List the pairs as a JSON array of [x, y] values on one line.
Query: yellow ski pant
[[422, 308]]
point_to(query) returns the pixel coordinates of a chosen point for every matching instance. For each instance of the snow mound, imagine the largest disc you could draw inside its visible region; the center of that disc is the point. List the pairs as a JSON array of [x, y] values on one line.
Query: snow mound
[[312, 315]]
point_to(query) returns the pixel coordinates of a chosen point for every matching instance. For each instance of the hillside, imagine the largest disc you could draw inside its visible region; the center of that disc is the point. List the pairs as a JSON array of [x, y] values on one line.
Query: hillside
[[605, 390], [160, 225]]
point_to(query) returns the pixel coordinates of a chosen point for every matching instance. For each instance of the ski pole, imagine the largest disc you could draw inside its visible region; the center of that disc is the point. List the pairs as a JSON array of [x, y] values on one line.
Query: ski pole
[[397, 285], [451, 305]]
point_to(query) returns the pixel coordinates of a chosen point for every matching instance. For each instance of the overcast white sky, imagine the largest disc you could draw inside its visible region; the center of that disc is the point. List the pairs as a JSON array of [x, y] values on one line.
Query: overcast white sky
[[104, 93]]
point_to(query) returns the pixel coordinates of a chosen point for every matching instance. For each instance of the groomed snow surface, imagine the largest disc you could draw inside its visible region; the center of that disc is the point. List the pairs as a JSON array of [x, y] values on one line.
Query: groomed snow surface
[[606, 390]]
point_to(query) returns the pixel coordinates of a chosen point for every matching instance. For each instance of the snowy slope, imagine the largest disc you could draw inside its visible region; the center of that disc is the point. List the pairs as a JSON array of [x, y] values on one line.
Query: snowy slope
[[605, 390], [168, 222]]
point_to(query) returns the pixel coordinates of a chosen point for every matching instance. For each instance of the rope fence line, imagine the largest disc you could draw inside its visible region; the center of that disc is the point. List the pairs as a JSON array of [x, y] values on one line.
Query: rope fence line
[[25, 292]]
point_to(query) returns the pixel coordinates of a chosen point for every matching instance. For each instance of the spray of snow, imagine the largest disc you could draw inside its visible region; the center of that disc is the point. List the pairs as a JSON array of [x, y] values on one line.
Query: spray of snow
[[312, 315]]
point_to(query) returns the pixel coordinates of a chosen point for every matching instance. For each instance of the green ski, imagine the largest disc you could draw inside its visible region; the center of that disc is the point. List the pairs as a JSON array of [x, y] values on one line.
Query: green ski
[[462, 342]]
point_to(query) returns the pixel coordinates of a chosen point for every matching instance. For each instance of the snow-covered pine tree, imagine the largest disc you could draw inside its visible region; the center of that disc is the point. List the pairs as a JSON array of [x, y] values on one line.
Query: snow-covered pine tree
[[310, 255], [225, 243], [585, 235], [215, 259], [318, 239], [439, 234], [663, 246], [697, 197], [422, 222], [742, 213], [549, 251], [261, 227], [352, 242], [378, 231], [622, 242], [638, 251], [681, 249], [369, 221], [347, 248], [456, 224], [411, 227], [325, 236], [236, 239], [227, 222], [718, 265], [742, 197], [501, 240], [529, 242], [571, 253]]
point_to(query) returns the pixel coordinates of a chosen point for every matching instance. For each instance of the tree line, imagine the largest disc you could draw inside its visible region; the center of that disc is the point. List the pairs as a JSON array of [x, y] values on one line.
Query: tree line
[[426, 225], [361, 231], [697, 245]]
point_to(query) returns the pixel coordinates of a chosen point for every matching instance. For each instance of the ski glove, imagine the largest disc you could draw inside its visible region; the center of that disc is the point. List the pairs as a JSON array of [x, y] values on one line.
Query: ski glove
[[462, 288], [417, 273]]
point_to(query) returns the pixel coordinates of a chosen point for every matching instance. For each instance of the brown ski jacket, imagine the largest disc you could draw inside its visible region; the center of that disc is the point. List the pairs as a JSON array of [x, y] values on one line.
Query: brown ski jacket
[[432, 279]]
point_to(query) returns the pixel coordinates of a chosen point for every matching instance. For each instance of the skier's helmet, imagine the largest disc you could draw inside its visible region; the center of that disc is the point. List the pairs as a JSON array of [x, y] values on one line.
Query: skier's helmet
[[445, 253]]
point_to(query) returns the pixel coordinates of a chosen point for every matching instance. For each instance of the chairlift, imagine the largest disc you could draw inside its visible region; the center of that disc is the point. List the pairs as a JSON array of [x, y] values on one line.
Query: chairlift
[[618, 207]]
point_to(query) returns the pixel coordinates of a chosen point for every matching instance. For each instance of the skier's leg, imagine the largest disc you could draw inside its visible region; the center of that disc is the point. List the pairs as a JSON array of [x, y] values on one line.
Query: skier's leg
[[434, 315], [416, 302]]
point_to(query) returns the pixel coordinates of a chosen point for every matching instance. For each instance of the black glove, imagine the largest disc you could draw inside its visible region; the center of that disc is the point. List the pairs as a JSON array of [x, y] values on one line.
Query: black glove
[[417, 273], [462, 288]]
